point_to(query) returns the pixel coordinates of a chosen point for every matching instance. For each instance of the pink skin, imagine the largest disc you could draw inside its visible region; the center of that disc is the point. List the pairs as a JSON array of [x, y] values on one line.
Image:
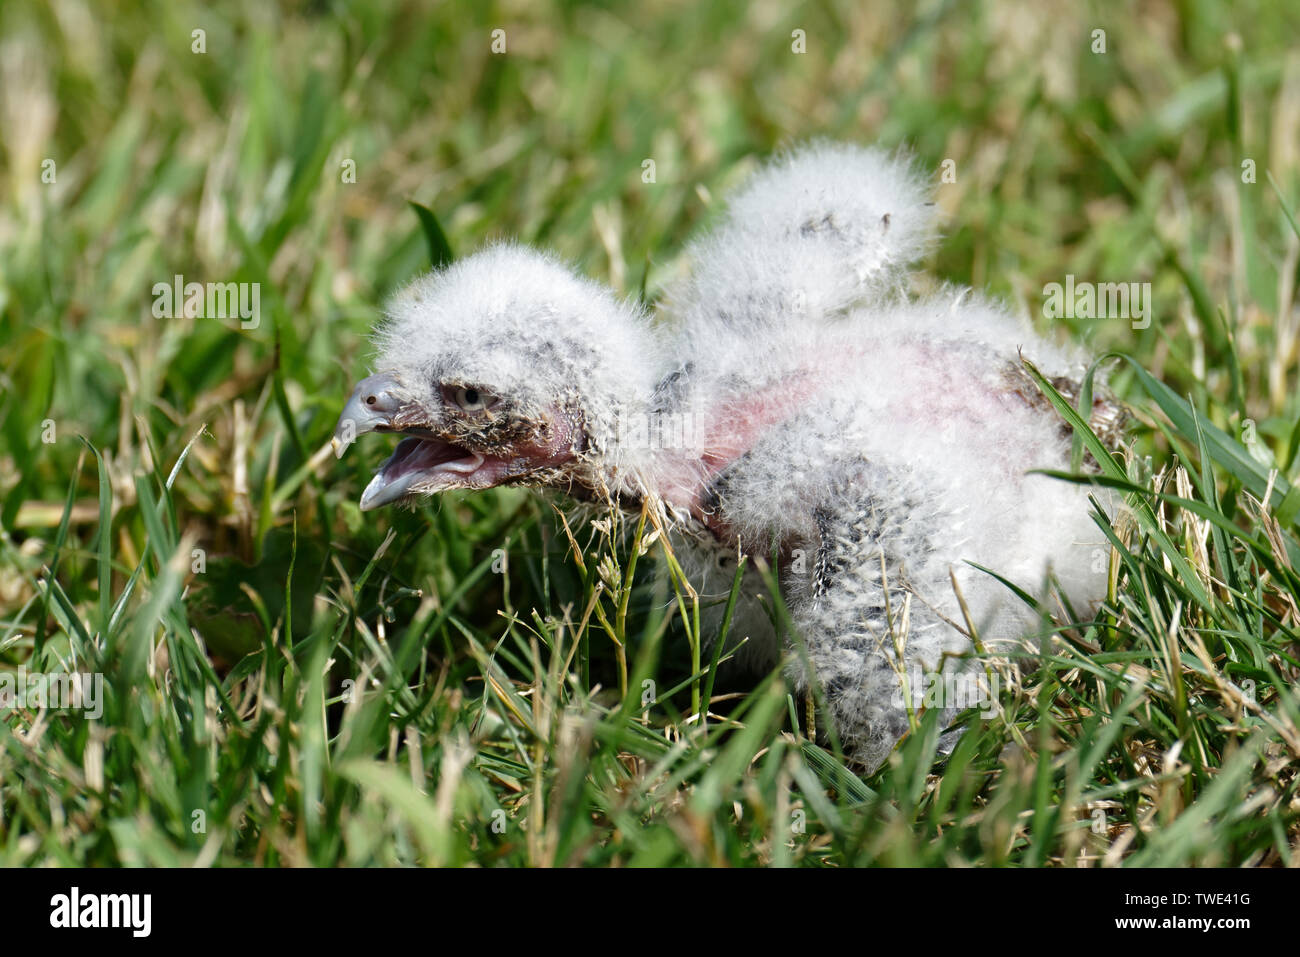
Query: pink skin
[[943, 398], [732, 431]]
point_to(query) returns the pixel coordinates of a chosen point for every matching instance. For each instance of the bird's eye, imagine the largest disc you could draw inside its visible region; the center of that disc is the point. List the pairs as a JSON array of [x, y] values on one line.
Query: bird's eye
[[469, 399]]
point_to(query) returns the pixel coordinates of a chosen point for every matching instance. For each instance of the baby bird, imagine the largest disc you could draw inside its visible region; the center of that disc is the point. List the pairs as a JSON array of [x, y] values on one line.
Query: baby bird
[[789, 398]]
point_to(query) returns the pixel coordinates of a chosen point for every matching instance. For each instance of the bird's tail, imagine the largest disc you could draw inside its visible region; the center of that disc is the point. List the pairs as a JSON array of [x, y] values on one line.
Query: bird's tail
[[820, 229]]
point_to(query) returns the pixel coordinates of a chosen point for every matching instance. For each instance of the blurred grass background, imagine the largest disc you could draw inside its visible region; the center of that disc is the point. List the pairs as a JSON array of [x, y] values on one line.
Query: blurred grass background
[[130, 158]]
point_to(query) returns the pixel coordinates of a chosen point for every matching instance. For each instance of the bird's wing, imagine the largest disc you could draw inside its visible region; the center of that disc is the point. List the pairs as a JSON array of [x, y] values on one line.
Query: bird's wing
[[819, 230]]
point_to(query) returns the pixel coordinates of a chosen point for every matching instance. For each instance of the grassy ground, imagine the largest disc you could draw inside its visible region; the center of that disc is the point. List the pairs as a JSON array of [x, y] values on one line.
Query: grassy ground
[[290, 682]]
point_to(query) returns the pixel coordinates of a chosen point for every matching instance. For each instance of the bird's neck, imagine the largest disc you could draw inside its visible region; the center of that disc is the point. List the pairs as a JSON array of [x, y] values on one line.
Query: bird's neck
[[679, 446]]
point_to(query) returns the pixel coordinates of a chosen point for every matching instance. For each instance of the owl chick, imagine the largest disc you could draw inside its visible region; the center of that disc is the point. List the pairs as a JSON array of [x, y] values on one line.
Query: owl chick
[[789, 397]]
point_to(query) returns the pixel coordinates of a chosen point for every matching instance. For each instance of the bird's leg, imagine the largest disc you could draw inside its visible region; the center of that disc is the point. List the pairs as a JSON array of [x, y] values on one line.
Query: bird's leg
[[867, 616]]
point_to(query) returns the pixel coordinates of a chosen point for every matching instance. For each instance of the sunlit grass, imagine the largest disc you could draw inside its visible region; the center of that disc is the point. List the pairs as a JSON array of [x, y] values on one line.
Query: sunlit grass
[[289, 681]]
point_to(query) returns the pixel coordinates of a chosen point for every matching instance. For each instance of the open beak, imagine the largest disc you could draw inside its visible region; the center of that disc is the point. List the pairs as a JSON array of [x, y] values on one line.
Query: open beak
[[422, 463]]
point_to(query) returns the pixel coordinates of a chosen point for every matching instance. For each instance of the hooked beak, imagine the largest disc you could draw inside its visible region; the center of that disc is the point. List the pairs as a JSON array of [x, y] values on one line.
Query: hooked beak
[[431, 459], [422, 462]]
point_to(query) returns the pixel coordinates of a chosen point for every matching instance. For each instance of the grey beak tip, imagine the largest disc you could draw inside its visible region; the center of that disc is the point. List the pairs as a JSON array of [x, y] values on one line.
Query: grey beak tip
[[372, 405]]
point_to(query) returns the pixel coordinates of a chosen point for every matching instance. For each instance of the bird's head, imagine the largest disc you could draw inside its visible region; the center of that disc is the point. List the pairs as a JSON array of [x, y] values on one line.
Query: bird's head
[[504, 368]]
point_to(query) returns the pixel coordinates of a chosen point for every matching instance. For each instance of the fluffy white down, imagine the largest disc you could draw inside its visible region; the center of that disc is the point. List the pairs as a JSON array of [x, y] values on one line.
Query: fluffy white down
[[875, 439], [522, 322], [908, 443]]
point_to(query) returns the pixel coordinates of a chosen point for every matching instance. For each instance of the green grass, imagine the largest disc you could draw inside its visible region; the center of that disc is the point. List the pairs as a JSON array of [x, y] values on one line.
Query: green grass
[[464, 684]]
